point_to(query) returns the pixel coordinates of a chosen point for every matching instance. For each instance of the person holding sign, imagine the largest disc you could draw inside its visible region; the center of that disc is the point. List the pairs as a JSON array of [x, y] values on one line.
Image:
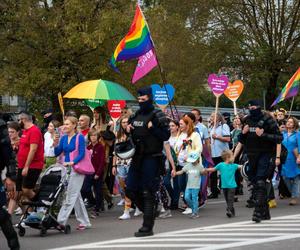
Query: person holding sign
[[220, 138], [149, 129]]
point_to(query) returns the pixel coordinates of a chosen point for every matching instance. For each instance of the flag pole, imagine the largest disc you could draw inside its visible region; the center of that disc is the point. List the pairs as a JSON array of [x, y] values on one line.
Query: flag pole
[[291, 106], [162, 75]]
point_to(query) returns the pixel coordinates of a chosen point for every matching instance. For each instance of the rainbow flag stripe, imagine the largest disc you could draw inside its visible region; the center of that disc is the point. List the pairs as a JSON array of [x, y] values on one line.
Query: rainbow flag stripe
[[290, 89], [136, 43]]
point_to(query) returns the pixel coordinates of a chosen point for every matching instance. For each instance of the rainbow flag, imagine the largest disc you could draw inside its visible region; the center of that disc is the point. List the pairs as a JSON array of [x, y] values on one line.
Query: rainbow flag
[[136, 43], [290, 89]]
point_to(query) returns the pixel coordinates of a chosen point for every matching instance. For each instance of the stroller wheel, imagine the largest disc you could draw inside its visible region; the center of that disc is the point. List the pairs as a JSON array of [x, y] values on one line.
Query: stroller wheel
[[43, 232], [67, 229], [22, 231]]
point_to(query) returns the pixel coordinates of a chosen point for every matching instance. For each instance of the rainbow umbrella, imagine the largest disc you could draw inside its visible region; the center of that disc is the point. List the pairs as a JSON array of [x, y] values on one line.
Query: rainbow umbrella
[[100, 90]]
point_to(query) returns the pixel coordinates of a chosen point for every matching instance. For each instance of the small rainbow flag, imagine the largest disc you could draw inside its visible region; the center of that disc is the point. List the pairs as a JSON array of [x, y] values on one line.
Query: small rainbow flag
[[136, 43], [290, 89]]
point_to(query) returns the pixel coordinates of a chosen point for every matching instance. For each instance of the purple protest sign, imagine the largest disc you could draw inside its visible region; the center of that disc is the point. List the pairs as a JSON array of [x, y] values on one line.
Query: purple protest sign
[[217, 84], [145, 64]]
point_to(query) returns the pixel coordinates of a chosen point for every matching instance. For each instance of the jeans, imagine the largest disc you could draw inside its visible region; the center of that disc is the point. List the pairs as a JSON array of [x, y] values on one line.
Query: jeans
[[172, 190], [191, 197], [229, 197], [293, 185]]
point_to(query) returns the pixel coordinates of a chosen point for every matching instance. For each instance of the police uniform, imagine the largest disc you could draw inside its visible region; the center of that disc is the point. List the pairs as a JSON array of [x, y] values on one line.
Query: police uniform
[[260, 151], [144, 173], [7, 160]]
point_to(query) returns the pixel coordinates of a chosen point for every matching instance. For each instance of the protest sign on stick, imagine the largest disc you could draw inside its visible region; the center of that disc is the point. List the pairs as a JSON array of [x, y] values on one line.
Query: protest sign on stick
[[115, 109], [162, 95], [217, 84], [233, 92]]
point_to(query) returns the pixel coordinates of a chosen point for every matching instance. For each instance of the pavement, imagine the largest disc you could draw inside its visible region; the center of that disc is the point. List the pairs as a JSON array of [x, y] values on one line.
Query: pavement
[[212, 230]]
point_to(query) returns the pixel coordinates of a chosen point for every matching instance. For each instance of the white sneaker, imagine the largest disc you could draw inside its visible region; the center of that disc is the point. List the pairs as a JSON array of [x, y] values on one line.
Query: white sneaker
[[18, 211], [121, 202], [131, 209], [166, 214], [187, 211], [137, 212], [162, 210], [125, 216]]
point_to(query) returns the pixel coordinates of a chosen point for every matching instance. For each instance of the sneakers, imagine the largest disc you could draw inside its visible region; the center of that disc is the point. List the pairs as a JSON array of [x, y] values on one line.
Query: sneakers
[[137, 212], [82, 227], [272, 203], [194, 215], [187, 211], [94, 214], [18, 211], [121, 202], [125, 216], [293, 202], [166, 214]]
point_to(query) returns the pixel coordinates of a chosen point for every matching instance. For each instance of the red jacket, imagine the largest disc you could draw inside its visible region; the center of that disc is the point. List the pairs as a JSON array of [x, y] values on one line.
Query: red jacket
[[98, 158]]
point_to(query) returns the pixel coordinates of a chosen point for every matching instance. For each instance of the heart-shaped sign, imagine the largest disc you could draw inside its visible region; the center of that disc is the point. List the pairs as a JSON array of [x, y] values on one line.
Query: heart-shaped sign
[[217, 84], [234, 90], [160, 94], [115, 108]]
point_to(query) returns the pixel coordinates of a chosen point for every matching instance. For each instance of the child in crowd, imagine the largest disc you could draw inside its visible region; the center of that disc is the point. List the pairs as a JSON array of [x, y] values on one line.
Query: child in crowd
[[228, 183], [95, 180], [193, 169]]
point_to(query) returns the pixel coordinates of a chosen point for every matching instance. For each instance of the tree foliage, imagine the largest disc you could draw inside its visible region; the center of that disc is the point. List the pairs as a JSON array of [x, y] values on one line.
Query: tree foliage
[[49, 46]]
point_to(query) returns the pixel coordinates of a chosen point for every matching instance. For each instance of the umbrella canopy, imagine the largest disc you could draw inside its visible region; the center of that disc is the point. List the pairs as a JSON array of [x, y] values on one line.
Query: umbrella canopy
[[101, 90]]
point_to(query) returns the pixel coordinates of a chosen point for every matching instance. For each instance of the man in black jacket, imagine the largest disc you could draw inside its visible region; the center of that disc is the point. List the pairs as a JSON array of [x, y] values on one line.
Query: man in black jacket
[[149, 129], [7, 160], [260, 137]]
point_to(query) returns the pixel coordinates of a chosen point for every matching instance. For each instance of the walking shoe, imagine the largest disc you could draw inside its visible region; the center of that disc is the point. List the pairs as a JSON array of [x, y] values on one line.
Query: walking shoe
[[82, 227], [94, 214], [125, 216], [272, 203], [121, 202], [194, 215], [187, 211], [293, 202], [202, 204], [137, 212], [229, 213], [18, 211], [143, 232], [166, 214], [110, 205], [212, 196]]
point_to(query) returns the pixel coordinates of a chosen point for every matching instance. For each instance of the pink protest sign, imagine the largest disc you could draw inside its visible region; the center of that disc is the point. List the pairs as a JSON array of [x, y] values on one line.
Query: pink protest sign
[[217, 84], [115, 108], [145, 64]]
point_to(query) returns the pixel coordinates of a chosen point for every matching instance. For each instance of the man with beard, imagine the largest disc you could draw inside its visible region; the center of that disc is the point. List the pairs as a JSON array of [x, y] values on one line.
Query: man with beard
[[30, 156], [7, 160], [260, 137], [149, 129]]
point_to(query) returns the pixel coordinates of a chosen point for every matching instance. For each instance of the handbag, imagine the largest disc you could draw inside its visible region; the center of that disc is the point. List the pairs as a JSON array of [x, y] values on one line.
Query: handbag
[[125, 149], [84, 166]]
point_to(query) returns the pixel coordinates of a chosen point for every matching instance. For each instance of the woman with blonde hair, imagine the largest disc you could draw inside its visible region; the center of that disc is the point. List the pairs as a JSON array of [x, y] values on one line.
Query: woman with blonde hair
[[186, 142], [72, 141]]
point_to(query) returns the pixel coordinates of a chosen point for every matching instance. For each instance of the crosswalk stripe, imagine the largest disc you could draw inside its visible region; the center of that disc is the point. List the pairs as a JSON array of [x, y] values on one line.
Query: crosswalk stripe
[[214, 237]]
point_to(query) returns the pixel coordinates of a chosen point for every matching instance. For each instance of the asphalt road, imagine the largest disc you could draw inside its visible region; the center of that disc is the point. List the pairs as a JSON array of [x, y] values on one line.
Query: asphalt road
[[212, 230]]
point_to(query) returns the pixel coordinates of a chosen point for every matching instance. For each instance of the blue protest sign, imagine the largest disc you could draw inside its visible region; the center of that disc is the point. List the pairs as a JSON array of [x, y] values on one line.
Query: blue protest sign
[[160, 96]]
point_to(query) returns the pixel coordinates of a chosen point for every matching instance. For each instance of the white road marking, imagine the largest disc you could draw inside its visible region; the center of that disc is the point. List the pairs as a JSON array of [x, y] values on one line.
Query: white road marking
[[215, 237]]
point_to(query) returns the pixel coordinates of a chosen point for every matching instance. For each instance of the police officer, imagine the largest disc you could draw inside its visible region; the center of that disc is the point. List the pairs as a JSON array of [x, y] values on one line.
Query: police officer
[[7, 160], [149, 129], [260, 137]]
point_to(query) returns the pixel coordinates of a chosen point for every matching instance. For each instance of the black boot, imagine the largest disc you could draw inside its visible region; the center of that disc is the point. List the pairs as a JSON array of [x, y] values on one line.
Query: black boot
[[8, 230], [260, 195], [149, 215]]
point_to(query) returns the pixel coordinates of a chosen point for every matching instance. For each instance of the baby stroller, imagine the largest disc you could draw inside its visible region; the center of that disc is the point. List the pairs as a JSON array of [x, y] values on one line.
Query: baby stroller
[[47, 201]]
